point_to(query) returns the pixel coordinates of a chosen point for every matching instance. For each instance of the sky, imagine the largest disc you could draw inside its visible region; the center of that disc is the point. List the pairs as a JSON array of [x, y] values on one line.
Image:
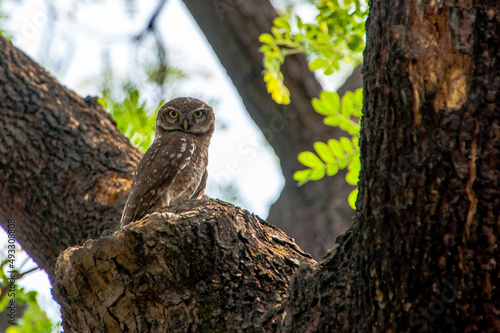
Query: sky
[[238, 154]]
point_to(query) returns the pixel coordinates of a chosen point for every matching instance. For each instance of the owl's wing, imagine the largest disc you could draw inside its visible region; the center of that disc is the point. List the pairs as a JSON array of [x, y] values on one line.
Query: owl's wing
[[201, 188], [157, 170]]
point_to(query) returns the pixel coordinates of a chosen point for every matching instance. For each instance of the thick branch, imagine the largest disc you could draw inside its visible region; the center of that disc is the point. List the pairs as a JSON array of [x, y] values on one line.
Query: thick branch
[[204, 266], [423, 252], [65, 169]]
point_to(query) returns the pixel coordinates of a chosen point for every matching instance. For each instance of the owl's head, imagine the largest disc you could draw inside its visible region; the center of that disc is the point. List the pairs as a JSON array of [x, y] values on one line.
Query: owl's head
[[185, 114]]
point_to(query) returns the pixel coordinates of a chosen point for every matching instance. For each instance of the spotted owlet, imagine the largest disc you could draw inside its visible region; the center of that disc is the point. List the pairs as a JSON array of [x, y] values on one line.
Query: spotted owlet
[[174, 168]]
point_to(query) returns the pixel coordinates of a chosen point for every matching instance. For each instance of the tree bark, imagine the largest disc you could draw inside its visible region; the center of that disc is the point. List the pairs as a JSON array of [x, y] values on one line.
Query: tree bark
[[317, 212], [203, 266], [423, 252], [65, 169]]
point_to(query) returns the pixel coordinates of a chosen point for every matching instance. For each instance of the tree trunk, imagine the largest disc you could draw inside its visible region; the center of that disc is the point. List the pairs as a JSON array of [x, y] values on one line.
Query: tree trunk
[[317, 212], [423, 252]]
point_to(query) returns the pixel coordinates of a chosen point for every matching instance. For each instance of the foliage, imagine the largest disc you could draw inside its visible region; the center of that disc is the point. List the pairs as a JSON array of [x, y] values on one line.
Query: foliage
[[334, 155], [3, 18], [336, 38], [31, 318], [132, 118]]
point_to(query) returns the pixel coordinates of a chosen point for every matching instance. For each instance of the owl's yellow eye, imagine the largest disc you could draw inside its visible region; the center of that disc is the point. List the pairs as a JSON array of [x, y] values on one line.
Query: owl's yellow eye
[[198, 114], [173, 114]]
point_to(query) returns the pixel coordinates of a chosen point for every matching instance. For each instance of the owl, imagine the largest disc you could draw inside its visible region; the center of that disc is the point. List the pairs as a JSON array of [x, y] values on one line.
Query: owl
[[174, 168]]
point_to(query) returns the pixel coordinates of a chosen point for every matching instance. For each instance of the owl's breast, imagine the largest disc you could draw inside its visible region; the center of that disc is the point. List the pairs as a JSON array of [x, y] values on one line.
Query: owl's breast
[[187, 181]]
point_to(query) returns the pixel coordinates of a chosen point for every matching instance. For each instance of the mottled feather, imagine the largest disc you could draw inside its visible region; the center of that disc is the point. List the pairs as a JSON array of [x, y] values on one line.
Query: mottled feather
[[157, 176]]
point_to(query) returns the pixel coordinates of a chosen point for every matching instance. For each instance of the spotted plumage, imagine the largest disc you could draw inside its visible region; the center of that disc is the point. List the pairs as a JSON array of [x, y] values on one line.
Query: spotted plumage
[[174, 168]]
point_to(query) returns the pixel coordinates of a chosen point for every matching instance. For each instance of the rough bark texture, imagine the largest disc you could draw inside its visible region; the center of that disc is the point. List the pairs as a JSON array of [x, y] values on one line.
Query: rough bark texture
[[317, 212], [65, 169], [423, 252], [203, 266]]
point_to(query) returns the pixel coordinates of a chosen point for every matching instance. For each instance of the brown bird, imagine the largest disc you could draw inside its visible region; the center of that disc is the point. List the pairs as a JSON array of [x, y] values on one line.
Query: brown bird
[[174, 168]]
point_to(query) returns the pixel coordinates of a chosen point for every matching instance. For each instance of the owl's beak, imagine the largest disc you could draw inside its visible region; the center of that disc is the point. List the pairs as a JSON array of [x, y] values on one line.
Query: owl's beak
[[185, 124]]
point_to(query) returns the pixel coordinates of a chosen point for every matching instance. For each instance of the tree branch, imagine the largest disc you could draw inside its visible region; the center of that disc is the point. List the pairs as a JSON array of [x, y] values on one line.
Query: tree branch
[[65, 167]]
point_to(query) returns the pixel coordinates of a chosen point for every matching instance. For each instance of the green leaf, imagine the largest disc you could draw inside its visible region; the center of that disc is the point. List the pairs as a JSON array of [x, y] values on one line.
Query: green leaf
[[281, 95], [311, 31], [347, 144], [331, 100], [355, 142], [332, 120], [132, 118], [343, 162], [320, 107], [355, 165], [357, 99], [332, 169], [281, 22], [302, 175], [324, 152], [266, 38], [299, 22], [310, 160], [334, 40], [356, 43], [352, 178], [347, 104], [352, 198], [318, 63], [349, 127], [317, 174], [329, 70], [337, 148], [278, 34]]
